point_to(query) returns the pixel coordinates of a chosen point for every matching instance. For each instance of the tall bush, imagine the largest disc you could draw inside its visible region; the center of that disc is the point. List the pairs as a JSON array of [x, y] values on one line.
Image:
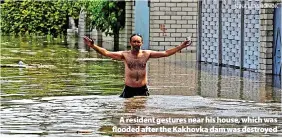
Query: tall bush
[[38, 17]]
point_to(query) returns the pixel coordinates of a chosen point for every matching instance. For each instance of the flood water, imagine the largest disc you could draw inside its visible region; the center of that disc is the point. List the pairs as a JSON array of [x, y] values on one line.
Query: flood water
[[72, 92]]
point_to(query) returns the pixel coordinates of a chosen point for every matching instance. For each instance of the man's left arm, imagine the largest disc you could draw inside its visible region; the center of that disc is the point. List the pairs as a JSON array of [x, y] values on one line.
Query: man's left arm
[[169, 52]]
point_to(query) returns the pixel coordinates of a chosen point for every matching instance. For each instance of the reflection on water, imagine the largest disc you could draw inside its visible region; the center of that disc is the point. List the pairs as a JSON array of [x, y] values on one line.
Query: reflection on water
[[234, 84], [80, 96], [175, 76], [75, 72]]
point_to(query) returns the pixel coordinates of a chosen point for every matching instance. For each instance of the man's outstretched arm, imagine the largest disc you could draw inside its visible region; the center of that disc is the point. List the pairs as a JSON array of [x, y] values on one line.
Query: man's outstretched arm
[[115, 55], [169, 52]]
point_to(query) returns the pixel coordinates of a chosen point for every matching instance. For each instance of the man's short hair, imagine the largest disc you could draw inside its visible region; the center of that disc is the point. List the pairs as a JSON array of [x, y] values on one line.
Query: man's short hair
[[136, 34]]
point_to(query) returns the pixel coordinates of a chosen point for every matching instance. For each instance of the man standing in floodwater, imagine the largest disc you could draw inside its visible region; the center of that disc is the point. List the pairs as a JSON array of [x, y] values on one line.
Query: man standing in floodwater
[[135, 63]]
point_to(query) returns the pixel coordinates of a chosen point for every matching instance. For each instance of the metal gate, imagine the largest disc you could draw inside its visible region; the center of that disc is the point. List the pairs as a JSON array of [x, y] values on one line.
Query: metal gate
[[229, 35], [209, 37]]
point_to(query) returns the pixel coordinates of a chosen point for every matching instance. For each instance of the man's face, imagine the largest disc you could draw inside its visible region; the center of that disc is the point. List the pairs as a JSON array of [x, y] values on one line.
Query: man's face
[[136, 43]]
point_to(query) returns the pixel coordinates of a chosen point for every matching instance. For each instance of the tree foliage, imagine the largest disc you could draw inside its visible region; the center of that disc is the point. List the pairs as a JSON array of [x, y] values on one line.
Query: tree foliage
[[107, 16], [38, 17]]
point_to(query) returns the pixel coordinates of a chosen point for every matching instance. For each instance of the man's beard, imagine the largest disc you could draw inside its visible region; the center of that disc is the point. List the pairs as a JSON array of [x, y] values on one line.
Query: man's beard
[[136, 48]]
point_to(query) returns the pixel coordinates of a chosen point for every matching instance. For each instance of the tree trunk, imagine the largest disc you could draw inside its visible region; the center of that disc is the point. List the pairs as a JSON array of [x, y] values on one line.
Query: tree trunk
[[99, 41], [99, 38], [116, 41]]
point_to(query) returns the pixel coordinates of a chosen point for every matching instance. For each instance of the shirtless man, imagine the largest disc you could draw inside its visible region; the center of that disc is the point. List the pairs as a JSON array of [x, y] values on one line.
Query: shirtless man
[[135, 63]]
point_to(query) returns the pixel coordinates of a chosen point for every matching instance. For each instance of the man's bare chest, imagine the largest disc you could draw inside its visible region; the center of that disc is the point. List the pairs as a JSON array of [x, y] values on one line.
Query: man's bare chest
[[136, 63]]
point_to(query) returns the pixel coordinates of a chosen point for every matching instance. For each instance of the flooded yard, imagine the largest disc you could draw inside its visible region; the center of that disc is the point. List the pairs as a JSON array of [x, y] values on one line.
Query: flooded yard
[[72, 92]]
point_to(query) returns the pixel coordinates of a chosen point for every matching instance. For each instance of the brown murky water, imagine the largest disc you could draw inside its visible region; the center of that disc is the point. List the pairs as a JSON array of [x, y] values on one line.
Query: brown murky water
[[79, 95]]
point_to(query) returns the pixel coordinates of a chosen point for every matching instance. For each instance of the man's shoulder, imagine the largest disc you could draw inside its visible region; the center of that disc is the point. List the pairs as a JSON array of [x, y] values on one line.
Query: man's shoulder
[[146, 51]]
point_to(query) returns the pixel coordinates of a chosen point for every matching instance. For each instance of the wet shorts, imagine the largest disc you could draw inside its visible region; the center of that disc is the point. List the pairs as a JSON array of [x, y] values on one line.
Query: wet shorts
[[134, 91]]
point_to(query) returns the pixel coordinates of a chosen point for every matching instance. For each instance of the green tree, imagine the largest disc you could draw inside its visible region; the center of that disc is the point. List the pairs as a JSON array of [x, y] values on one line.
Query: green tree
[[38, 17], [107, 16]]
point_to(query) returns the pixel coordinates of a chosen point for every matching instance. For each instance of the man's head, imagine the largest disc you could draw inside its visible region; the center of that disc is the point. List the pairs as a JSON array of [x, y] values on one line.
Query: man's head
[[136, 41]]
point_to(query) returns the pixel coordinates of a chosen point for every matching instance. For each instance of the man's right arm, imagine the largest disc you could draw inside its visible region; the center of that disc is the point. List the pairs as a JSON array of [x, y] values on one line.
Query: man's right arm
[[103, 51]]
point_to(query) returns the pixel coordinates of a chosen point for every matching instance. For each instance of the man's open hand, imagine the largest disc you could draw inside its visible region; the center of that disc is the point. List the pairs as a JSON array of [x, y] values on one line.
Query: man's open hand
[[88, 41], [186, 43]]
